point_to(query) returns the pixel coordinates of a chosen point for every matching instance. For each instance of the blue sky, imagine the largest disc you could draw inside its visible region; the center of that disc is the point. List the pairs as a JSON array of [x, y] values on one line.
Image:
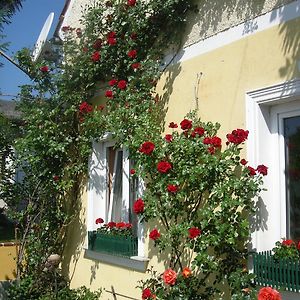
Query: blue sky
[[23, 32]]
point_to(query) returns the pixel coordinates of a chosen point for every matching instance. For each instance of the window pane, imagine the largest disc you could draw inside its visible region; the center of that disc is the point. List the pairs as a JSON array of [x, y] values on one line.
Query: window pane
[[292, 163], [116, 214]]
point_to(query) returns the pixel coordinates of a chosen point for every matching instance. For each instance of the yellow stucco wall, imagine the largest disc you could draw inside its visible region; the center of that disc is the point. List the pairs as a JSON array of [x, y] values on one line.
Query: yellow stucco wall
[[253, 62], [7, 262]]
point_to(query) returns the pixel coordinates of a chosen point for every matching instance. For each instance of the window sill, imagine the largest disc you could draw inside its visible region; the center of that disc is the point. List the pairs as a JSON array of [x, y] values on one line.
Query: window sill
[[137, 263]]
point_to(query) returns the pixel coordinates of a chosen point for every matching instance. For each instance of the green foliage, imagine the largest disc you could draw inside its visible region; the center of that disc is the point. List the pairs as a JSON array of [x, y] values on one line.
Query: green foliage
[[286, 249], [27, 290]]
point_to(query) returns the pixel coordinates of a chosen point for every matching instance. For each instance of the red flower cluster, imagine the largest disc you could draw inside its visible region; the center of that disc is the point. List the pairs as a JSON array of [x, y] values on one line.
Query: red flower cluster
[[197, 131], [44, 69], [135, 66], [111, 224], [251, 170], [170, 277], [267, 293], [109, 94], [164, 167], [131, 2], [172, 188], [113, 82], [262, 169], [147, 148], [237, 136], [111, 38], [132, 171], [147, 294], [139, 206], [194, 232], [168, 138], [55, 177], [99, 221], [287, 242], [243, 162], [122, 84], [95, 56], [154, 234], [85, 108], [132, 54], [186, 124], [214, 142], [173, 125]]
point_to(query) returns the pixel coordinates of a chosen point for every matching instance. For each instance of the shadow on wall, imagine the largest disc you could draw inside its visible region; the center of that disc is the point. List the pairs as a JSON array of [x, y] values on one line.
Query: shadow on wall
[[75, 236], [290, 46], [215, 16]]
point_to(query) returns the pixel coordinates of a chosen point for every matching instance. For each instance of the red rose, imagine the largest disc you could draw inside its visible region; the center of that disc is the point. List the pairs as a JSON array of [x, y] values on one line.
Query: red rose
[[251, 170], [194, 232], [298, 246], [186, 272], [216, 142], [243, 162], [164, 167], [186, 124], [169, 277], [172, 188], [128, 226], [55, 178], [147, 148], [111, 41], [97, 44], [109, 94], [168, 138], [267, 293], [206, 140], [113, 82], [237, 136], [135, 66], [111, 34], [173, 125], [139, 206], [199, 130], [132, 54], [132, 171], [85, 108], [99, 221], [111, 224], [121, 225], [44, 69], [287, 242], [100, 107], [154, 234], [95, 56], [131, 2], [122, 84], [262, 169]]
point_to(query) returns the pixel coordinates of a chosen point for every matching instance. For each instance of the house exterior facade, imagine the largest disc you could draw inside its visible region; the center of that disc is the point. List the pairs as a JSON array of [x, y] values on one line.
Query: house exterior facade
[[240, 66]]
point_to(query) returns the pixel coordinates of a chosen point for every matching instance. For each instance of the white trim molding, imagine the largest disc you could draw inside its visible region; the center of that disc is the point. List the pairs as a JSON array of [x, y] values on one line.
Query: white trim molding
[[263, 107]]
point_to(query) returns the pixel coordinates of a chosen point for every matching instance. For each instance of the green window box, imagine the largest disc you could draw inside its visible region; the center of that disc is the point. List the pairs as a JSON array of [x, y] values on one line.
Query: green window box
[[283, 273], [119, 245]]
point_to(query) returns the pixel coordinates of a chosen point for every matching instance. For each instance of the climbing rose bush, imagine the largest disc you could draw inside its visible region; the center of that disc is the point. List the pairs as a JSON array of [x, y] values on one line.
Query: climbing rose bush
[[201, 193]]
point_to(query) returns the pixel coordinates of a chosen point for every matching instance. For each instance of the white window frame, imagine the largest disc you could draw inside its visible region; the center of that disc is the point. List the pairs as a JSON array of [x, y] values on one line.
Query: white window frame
[[264, 109], [96, 203]]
